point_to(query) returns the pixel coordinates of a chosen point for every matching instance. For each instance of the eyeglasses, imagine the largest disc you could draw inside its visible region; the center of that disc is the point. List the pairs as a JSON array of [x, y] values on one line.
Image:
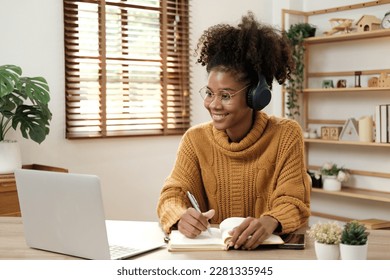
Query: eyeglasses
[[224, 95]]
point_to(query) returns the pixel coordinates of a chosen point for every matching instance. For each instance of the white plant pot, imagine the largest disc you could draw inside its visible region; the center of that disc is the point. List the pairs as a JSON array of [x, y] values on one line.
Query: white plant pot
[[330, 183], [327, 251], [10, 157], [353, 252]]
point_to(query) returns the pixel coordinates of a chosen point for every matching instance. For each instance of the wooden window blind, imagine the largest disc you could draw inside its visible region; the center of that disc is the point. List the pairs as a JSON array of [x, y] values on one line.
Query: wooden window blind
[[126, 67]]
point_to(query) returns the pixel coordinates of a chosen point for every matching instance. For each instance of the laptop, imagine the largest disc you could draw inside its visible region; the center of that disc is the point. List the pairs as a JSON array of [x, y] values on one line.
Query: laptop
[[63, 213]]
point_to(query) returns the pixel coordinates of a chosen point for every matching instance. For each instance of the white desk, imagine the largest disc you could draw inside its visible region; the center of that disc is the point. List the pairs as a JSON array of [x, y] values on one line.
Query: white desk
[[13, 246]]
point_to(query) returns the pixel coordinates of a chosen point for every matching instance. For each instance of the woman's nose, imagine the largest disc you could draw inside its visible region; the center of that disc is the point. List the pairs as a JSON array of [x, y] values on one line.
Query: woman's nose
[[216, 102]]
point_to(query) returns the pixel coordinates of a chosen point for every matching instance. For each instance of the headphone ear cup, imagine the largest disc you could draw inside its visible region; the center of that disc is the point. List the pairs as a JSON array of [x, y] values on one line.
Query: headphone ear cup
[[259, 97]]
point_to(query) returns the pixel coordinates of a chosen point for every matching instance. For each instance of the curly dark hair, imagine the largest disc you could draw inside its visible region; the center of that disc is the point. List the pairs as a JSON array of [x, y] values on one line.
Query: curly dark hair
[[247, 50]]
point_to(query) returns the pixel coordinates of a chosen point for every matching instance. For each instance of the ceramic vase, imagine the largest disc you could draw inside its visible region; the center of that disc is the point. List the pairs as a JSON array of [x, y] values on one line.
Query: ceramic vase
[[10, 157], [353, 252], [330, 183], [327, 251]]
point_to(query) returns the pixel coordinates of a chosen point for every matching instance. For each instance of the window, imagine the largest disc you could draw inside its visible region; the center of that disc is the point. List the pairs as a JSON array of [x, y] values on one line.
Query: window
[[126, 67]]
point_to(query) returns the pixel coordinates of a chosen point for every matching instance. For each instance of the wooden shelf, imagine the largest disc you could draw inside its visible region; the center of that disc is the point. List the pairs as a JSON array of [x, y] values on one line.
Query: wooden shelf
[[354, 143], [348, 37], [357, 193], [345, 73], [359, 173], [384, 90]]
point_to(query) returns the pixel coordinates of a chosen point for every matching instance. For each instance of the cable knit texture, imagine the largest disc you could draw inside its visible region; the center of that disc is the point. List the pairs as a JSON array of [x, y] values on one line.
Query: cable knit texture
[[263, 174]]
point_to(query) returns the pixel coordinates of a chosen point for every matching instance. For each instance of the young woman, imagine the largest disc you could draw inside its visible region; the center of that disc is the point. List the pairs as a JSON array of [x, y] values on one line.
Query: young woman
[[243, 163]]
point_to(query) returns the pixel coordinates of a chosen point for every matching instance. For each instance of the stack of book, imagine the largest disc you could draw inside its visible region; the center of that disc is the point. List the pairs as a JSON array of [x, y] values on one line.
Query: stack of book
[[382, 123]]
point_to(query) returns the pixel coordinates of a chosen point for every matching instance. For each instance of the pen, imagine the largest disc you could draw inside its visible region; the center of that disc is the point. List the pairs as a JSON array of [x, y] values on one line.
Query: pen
[[195, 205]]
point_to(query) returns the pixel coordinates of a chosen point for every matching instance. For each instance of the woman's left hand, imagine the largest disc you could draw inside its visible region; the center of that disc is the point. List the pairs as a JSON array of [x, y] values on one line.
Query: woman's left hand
[[252, 232]]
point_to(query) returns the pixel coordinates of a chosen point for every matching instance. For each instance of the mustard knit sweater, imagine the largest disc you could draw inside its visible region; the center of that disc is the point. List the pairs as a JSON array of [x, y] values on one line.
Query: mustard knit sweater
[[263, 174]]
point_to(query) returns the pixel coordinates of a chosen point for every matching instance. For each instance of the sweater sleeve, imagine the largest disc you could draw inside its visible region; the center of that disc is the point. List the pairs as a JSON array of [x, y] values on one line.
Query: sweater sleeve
[[289, 202], [184, 177]]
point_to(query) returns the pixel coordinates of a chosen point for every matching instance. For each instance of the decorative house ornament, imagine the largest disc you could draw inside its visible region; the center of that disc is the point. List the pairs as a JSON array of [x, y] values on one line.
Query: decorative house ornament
[[368, 23], [350, 131], [373, 82], [384, 80]]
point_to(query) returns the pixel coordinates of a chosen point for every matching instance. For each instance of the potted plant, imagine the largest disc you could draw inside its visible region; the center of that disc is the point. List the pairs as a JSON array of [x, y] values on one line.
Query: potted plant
[[333, 176], [353, 245], [297, 34], [326, 239], [24, 104]]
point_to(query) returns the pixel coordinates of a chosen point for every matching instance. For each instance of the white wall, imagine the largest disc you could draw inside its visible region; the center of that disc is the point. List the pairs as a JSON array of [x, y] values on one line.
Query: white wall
[[132, 169]]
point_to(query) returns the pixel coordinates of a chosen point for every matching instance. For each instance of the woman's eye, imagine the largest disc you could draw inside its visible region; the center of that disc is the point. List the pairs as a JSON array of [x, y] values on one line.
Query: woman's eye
[[225, 96], [209, 93]]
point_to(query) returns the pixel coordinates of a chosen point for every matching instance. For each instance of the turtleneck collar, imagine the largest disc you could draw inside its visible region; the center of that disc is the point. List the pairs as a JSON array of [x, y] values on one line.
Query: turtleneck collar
[[259, 125]]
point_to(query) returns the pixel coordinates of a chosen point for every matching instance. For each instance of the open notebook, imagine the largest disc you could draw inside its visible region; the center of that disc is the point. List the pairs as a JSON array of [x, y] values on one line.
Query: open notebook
[[63, 213], [218, 240]]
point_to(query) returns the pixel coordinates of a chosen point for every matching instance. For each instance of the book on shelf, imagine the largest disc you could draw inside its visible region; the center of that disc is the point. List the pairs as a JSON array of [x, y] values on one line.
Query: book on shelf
[[375, 223], [388, 123], [218, 240], [382, 123], [378, 123]]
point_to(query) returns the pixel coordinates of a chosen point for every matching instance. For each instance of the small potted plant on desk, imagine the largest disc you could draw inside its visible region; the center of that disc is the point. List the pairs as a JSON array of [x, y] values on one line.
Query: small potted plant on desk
[[326, 240], [354, 239]]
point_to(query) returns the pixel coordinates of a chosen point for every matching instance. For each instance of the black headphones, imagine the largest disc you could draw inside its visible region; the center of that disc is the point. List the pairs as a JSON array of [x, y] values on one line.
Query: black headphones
[[259, 97]]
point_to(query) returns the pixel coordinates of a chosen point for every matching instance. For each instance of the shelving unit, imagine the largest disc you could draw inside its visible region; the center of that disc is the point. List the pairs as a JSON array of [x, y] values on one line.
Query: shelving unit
[[333, 93]]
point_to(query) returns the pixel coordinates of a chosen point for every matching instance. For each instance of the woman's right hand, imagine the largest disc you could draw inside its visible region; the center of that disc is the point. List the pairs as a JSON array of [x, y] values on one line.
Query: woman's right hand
[[192, 222]]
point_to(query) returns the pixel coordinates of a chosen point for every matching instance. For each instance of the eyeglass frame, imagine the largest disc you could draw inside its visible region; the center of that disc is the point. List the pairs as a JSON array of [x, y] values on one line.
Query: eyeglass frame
[[231, 95]]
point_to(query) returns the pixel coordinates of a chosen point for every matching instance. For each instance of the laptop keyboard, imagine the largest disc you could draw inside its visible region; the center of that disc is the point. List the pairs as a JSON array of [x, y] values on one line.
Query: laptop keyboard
[[118, 252]]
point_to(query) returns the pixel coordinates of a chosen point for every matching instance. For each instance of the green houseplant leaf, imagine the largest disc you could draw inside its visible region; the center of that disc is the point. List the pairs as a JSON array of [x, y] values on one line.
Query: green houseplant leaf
[[24, 104], [9, 76], [297, 34]]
